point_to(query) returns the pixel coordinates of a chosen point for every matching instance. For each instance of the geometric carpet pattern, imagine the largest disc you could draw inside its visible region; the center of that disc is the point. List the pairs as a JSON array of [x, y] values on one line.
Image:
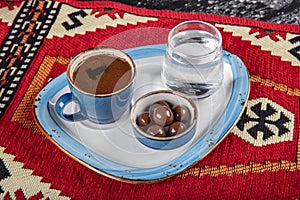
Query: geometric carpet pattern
[[259, 158]]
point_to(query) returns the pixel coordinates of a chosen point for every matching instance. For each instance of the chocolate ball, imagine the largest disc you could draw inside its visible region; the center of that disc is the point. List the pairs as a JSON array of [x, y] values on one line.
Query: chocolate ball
[[143, 119], [156, 131], [162, 116], [176, 128], [181, 113], [153, 107], [162, 103], [157, 104]]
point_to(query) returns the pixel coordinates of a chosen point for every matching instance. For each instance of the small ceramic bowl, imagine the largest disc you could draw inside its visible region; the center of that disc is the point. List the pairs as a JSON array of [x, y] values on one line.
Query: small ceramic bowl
[[168, 142]]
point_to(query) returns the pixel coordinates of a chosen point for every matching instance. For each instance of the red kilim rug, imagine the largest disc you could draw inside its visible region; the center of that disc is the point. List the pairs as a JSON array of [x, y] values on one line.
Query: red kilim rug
[[259, 159]]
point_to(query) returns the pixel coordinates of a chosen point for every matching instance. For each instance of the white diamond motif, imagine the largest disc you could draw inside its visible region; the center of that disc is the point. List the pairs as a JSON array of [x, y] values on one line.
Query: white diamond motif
[[265, 122]]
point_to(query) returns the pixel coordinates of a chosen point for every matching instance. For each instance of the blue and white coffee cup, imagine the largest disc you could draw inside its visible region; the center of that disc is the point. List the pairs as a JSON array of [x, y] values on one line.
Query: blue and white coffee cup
[[99, 108]]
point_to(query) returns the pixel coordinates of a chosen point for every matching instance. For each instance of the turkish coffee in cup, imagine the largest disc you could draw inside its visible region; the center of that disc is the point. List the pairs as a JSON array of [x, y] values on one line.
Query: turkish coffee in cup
[[101, 82]]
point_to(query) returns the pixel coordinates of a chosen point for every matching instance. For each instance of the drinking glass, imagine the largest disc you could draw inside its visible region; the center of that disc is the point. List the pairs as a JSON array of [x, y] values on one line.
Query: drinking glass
[[193, 63]]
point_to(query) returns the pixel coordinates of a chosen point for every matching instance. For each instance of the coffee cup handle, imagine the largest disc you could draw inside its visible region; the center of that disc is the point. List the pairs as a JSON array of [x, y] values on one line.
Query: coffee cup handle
[[60, 105]]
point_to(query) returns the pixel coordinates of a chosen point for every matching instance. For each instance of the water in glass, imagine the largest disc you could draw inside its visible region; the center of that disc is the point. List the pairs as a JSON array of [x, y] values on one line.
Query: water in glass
[[193, 63]]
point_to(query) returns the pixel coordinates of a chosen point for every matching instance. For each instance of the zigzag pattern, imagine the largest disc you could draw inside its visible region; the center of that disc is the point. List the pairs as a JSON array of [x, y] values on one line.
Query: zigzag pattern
[[72, 21], [22, 43], [275, 43], [20, 180]]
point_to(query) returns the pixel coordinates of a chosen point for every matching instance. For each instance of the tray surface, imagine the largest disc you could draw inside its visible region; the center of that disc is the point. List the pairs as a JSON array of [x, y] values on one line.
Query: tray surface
[[113, 150]]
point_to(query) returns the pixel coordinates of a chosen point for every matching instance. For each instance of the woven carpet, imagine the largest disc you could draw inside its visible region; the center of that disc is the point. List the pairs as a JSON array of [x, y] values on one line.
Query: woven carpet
[[259, 159]]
